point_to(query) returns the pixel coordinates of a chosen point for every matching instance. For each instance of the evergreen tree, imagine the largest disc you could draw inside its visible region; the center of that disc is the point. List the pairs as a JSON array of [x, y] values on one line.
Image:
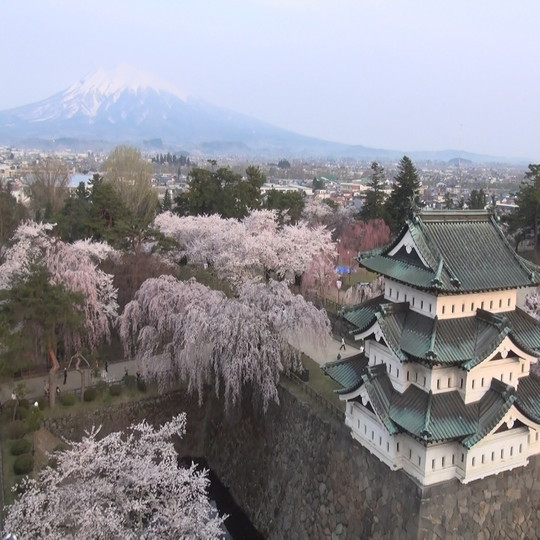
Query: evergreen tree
[[527, 215], [448, 202], [167, 201], [477, 200], [373, 207], [405, 194]]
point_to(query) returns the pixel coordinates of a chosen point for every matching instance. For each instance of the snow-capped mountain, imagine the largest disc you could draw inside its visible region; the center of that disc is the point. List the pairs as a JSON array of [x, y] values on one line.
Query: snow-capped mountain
[[125, 105]]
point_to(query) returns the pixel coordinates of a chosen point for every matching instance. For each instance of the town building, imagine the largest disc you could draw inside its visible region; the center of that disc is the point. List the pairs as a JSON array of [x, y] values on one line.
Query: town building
[[444, 389]]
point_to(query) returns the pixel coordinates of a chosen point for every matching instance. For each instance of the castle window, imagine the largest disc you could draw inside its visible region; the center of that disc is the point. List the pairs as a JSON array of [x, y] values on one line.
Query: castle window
[[462, 457], [430, 308], [405, 297], [482, 305], [397, 295], [453, 459], [472, 384], [473, 461], [536, 436], [483, 460], [461, 382], [443, 309], [380, 441], [492, 456], [433, 464], [419, 461], [502, 376], [502, 453], [449, 382], [424, 381], [520, 448], [365, 429], [482, 383], [416, 377], [421, 304], [453, 308], [462, 308], [443, 461], [408, 374], [397, 374], [410, 453], [438, 384], [388, 447], [500, 302], [472, 306], [511, 451], [390, 291], [372, 436], [397, 447], [358, 424], [413, 300], [522, 368], [491, 304], [509, 301], [511, 375], [390, 368]]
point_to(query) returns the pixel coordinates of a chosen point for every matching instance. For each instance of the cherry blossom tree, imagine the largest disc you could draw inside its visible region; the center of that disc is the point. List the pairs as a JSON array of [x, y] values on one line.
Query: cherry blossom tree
[[253, 247], [362, 236], [184, 329], [73, 267], [125, 486]]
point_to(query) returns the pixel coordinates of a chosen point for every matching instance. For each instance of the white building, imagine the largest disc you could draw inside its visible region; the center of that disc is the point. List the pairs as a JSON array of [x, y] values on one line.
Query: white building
[[445, 390]]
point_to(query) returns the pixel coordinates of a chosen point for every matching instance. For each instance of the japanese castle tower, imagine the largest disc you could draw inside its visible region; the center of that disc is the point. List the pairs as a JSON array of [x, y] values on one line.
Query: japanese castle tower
[[445, 390]]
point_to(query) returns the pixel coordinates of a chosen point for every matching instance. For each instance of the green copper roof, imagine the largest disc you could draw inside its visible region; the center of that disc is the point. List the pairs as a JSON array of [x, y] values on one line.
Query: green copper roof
[[415, 337], [465, 251], [347, 372], [528, 401], [436, 417]]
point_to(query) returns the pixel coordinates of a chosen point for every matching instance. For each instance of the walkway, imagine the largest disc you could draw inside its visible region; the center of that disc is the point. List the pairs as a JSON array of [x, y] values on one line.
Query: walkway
[[35, 386], [330, 353]]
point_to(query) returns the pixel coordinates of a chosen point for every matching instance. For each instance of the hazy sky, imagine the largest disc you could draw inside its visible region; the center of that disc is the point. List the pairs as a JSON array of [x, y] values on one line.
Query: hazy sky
[[394, 74]]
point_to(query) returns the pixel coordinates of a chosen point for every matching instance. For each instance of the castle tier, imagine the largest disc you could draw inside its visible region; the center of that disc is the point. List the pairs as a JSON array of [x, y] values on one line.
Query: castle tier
[[444, 388]]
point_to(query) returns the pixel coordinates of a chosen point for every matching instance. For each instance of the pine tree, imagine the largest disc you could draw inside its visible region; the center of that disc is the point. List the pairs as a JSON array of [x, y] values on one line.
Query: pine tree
[[167, 201], [373, 207], [405, 194]]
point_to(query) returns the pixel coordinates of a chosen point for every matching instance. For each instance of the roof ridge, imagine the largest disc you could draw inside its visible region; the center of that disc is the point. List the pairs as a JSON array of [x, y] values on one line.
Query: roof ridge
[[426, 434]]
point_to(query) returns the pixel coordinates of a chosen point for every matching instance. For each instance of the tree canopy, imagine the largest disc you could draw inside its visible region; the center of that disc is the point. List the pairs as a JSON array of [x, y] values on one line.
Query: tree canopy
[[405, 194], [477, 200], [373, 207], [527, 215], [125, 485]]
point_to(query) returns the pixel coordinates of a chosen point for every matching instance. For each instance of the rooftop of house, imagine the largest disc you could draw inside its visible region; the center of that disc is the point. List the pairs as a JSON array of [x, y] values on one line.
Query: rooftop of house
[[449, 252]]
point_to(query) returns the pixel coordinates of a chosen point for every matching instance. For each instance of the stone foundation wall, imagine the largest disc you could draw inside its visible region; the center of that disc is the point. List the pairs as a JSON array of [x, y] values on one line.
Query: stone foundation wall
[[298, 474]]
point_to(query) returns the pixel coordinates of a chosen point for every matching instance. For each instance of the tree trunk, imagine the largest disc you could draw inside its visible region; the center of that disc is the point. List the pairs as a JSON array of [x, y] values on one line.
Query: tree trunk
[[55, 366], [81, 373]]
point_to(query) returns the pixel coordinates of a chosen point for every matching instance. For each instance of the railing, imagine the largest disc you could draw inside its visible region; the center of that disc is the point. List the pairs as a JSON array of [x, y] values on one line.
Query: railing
[[336, 411]]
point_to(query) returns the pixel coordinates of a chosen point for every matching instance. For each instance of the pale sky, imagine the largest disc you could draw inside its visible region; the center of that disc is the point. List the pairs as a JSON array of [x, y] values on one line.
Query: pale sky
[[395, 74]]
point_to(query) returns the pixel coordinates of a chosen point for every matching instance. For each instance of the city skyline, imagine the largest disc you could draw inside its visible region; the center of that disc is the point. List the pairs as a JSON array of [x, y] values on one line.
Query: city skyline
[[401, 76]]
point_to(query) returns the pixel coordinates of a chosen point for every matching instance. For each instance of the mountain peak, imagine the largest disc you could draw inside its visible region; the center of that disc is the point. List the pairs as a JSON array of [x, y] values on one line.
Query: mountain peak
[[123, 77]]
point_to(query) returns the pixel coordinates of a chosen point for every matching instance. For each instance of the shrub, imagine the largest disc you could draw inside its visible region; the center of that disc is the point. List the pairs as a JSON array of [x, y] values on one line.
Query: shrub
[[101, 386], [115, 390], [141, 385], [23, 464], [67, 399], [20, 446], [16, 430], [42, 403], [130, 381], [24, 403], [90, 394]]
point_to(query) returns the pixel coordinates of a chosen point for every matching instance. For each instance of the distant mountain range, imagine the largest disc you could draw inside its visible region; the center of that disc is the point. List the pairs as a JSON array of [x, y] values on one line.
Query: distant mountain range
[[126, 106]]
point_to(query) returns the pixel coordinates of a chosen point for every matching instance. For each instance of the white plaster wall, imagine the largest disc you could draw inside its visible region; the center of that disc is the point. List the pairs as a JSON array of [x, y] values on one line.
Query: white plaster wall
[[453, 306]]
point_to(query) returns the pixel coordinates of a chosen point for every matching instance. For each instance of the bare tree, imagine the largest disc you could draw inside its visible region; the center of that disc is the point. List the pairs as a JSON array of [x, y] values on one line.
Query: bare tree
[[47, 186]]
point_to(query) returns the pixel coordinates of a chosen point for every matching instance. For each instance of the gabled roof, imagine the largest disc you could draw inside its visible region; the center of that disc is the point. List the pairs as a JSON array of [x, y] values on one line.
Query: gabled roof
[[347, 372], [443, 416], [454, 251], [528, 393], [415, 337]]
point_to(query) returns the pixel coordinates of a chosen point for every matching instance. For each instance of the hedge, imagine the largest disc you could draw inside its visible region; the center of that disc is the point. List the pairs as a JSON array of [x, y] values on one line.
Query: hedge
[[23, 464], [20, 446], [67, 399], [115, 390], [90, 394], [16, 430]]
